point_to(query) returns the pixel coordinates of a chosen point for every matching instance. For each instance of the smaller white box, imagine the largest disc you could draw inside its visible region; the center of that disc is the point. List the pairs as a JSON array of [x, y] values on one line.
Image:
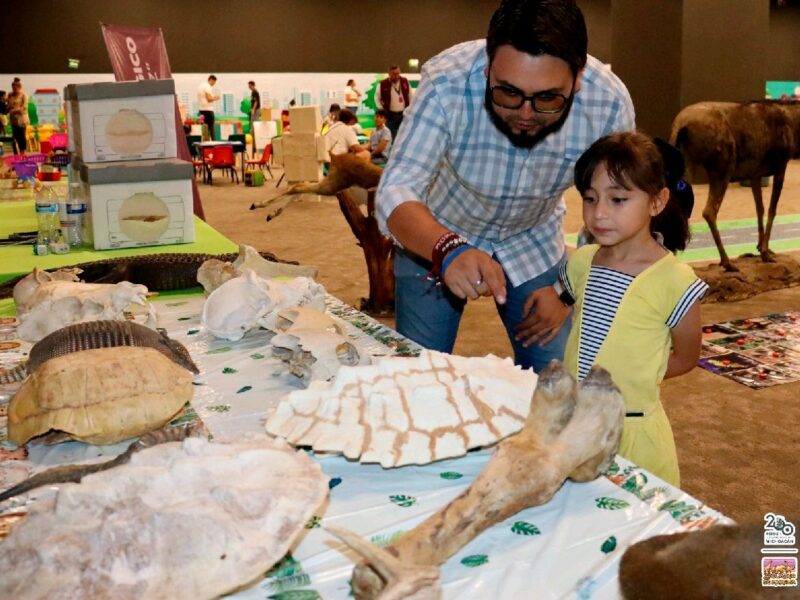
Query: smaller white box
[[305, 145], [277, 150], [305, 119], [138, 203], [264, 131], [129, 120]]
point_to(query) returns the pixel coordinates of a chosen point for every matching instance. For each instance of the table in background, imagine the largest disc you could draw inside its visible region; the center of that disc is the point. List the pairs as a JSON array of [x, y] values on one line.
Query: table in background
[[238, 148], [570, 547], [19, 259]]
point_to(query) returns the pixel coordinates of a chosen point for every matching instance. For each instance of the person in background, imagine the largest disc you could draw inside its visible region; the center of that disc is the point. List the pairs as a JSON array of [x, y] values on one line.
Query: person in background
[[381, 139], [255, 103], [473, 193], [331, 117], [394, 96], [637, 307], [3, 112], [17, 102], [206, 97], [342, 139], [352, 97]]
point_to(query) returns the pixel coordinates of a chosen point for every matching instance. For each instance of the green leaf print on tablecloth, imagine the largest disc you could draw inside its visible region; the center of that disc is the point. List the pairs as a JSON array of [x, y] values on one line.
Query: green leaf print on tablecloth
[[184, 318], [220, 408], [193, 332], [243, 389], [220, 350], [314, 522], [525, 528], [681, 511], [384, 539], [256, 356], [609, 545], [287, 575], [474, 560], [187, 415], [295, 595], [450, 475], [403, 500], [229, 371], [610, 503]]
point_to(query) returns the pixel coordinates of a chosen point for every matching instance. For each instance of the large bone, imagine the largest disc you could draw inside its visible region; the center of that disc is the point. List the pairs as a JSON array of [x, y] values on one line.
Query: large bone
[[571, 432]]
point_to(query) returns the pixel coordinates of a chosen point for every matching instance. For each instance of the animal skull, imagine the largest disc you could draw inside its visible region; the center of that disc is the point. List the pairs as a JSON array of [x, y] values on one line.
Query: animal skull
[[213, 272], [249, 301], [26, 286], [571, 432], [55, 304]]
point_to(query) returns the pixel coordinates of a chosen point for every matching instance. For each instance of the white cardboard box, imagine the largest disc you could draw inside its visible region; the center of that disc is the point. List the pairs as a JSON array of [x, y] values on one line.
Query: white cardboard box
[[129, 120], [302, 168], [305, 119], [304, 145], [138, 203]]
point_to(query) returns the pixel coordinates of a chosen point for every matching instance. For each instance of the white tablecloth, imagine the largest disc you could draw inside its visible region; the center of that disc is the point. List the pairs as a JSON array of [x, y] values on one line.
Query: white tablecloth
[[570, 547]]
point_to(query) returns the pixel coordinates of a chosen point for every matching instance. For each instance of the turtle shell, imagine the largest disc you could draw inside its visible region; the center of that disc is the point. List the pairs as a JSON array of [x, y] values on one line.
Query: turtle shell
[[99, 396]]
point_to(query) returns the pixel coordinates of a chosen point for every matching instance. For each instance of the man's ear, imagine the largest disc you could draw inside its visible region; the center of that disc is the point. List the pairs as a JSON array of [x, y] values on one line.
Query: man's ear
[[578, 79], [659, 202]]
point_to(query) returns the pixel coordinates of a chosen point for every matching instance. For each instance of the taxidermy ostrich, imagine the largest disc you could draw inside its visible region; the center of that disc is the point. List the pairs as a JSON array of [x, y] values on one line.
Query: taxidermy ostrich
[[735, 141]]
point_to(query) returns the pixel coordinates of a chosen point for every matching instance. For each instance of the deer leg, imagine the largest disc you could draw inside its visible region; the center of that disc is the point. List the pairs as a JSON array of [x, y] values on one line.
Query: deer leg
[[777, 186], [570, 433], [755, 187], [716, 192]]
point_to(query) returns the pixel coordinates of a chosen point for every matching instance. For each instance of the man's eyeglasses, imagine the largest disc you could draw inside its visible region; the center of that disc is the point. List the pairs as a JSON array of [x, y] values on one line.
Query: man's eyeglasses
[[542, 102]]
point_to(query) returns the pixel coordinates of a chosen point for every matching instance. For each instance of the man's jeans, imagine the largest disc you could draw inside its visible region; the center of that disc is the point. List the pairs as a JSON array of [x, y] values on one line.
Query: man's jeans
[[429, 314]]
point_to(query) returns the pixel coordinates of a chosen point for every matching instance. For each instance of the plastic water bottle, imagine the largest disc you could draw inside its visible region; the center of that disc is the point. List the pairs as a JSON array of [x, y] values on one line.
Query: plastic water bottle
[[72, 216], [46, 217]]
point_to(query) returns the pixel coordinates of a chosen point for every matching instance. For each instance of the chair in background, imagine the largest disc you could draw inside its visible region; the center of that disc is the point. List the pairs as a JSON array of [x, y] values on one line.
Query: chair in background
[[45, 147], [242, 139], [59, 141], [263, 161], [197, 157], [222, 158]]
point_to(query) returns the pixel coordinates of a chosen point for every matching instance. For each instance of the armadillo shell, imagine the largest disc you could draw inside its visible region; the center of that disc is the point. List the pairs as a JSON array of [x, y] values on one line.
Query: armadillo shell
[[106, 334], [99, 396]]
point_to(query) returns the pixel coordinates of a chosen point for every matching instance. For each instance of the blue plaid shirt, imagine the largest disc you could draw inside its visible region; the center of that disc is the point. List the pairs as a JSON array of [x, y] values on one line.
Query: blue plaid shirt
[[505, 200]]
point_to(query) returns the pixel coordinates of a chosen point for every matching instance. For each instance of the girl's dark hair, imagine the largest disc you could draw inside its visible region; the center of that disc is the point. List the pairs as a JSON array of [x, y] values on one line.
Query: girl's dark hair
[[351, 82], [536, 27], [634, 160]]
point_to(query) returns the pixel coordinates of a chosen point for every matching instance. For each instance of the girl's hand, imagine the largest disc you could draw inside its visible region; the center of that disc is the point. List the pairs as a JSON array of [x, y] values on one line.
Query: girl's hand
[[546, 314]]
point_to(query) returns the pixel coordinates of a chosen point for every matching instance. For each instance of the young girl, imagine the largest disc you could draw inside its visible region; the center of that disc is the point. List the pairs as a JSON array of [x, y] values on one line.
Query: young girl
[[637, 311]]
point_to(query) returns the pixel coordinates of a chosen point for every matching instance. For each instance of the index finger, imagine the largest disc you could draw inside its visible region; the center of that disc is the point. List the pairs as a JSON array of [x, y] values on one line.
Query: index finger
[[496, 280]]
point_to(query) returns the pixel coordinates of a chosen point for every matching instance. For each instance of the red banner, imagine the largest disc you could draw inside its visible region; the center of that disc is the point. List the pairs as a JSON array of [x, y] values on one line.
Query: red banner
[[140, 53]]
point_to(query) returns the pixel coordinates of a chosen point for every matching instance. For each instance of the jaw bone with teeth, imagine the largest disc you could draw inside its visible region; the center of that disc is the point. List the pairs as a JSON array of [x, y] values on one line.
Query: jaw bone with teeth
[[572, 432]]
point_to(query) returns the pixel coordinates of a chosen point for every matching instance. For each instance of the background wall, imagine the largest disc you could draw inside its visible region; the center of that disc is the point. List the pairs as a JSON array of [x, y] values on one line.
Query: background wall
[[783, 56], [242, 36]]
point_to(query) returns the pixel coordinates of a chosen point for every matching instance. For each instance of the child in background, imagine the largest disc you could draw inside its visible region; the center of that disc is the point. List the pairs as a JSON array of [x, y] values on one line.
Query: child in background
[[637, 311]]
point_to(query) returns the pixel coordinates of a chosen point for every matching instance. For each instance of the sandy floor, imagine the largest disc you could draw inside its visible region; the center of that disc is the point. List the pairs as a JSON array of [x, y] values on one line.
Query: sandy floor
[[736, 446]]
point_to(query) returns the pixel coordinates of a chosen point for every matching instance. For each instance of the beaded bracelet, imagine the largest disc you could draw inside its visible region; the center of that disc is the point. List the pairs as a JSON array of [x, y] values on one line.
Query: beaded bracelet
[[443, 246]]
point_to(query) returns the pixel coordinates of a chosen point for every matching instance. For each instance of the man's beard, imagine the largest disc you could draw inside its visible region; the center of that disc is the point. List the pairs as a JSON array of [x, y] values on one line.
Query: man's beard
[[524, 139]]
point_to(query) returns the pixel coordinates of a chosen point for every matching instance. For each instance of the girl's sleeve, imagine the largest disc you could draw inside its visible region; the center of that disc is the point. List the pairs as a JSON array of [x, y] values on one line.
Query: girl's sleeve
[[694, 293]]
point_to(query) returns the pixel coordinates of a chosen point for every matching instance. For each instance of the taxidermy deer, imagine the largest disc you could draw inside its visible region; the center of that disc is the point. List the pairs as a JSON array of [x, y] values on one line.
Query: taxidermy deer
[[735, 141]]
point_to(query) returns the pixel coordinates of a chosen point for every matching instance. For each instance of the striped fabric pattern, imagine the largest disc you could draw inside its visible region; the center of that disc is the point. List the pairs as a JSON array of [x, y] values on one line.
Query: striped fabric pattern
[[602, 296], [507, 201], [604, 291], [694, 293]]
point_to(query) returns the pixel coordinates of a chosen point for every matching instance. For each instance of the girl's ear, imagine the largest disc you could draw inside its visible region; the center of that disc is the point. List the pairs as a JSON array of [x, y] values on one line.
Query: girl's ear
[[659, 202]]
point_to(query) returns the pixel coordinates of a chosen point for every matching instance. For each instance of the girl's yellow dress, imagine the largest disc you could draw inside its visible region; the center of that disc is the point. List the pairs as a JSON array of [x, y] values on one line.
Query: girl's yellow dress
[[635, 352]]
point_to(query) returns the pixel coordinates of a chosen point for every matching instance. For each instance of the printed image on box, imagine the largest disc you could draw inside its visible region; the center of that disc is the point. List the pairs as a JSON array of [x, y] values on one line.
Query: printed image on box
[[128, 131], [144, 217]]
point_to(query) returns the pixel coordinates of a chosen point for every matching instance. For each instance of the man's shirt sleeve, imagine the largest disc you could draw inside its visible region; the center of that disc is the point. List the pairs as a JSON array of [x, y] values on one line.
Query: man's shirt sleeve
[[417, 153]]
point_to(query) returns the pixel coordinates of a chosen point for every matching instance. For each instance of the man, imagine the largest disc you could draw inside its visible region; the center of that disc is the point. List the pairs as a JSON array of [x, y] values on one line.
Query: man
[[3, 112], [342, 139], [380, 140], [206, 97], [394, 97], [473, 193], [255, 103]]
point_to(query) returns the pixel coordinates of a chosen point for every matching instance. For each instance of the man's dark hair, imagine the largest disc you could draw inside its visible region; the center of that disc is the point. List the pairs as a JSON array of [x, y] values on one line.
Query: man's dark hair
[[251, 83], [393, 67], [536, 27], [347, 117], [382, 112], [214, 77]]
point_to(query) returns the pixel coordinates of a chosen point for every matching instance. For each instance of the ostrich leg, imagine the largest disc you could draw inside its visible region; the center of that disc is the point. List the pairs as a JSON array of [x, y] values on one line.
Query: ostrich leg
[[716, 192], [571, 432], [777, 186]]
